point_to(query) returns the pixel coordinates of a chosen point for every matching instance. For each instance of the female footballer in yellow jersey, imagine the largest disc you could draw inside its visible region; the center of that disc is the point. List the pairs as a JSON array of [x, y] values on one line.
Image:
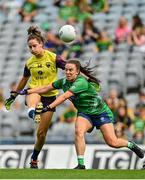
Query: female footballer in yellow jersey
[[40, 69]]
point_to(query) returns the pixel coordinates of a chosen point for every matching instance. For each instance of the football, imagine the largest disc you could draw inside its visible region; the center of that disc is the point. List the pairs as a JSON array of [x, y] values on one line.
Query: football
[[67, 33]]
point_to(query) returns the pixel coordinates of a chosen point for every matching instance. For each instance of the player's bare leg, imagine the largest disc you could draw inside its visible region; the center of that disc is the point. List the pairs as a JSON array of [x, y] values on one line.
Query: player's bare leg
[[42, 129], [32, 100], [41, 135], [81, 127], [112, 140]]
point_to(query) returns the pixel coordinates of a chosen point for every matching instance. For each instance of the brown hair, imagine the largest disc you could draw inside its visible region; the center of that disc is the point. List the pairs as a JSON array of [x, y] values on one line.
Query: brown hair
[[85, 70], [83, 5], [35, 33], [137, 21], [89, 22]]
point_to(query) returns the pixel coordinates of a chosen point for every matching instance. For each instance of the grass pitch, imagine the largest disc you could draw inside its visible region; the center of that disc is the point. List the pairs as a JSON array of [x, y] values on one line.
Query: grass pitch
[[70, 174]]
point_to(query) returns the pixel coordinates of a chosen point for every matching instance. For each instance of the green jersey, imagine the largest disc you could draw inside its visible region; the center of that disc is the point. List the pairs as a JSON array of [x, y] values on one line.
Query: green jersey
[[85, 99], [98, 6]]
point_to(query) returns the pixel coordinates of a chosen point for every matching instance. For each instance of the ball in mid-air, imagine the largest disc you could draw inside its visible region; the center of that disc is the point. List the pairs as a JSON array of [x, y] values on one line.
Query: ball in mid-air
[[67, 33]]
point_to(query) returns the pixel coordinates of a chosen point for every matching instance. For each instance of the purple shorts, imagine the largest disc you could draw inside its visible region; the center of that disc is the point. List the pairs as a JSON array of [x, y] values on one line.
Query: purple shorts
[[46, 101]]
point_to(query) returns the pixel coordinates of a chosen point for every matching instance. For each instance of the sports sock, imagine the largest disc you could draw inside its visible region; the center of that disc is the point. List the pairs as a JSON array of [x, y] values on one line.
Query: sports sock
[[130, 145], [31, 113], [81, 159], [35, 154]]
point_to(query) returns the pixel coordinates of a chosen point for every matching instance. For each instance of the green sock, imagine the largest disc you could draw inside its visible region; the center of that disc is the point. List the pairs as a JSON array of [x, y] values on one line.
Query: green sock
[[81, 159], [130, 145]]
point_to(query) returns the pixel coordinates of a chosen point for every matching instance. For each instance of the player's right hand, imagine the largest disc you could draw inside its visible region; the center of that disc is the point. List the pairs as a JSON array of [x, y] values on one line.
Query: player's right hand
[[45, 109], [23, 92], [9, 101]]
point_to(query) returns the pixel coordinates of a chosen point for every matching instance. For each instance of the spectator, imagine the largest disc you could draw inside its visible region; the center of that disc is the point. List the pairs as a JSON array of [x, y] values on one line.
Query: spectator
[[138, 39], [138, 137], [90, 32], [83, 10], [120, 130], [68, 10], [69, 114], [114, 101], [72, 21], [141, 98], [136, 22], [100, 5], [141, 102], [138, 125], [104, 43], [28, 10], [122, 31], [122, 116], [74, 50]]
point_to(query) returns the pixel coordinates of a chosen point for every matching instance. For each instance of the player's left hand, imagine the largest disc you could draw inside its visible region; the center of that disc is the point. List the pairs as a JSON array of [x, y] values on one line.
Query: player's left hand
[[9, 101]]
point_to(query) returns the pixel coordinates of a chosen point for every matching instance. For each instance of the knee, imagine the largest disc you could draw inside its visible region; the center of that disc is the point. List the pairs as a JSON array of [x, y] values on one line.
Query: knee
[[41, 135], [79, 133]]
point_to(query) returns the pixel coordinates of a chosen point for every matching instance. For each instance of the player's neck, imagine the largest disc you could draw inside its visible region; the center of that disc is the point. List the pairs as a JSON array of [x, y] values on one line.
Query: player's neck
[[41, 54]]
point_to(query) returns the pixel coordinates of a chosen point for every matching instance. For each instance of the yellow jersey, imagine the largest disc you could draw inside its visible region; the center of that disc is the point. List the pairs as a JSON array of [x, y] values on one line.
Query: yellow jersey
[[43, 71]]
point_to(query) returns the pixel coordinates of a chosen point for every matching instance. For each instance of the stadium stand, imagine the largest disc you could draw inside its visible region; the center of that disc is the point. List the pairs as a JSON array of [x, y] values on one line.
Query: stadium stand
[[123, 69]]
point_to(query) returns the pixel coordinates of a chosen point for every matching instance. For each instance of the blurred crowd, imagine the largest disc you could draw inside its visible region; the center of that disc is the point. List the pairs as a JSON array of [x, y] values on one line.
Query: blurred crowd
[[130, 122], [79, 13]]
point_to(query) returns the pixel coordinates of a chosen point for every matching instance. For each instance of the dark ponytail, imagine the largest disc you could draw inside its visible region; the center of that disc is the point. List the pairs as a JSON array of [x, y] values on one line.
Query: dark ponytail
[[88, 71], [35, 33]]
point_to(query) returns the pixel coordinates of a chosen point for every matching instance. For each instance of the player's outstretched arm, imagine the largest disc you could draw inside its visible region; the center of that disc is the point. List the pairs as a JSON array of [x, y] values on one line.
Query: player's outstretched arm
[[39, 90], [60, 99]]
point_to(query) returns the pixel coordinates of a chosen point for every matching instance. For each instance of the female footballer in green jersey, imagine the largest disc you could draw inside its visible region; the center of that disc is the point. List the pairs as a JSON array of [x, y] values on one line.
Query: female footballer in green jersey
[[92, 110], [41, 69]]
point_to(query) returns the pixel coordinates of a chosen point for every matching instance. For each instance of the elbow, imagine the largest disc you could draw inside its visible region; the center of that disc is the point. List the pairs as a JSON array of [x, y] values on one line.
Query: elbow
[[64, 97]]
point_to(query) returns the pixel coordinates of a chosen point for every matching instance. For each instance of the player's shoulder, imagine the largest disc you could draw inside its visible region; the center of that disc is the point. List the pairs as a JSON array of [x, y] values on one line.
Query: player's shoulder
[[50, 55], [30, 60], [81, 78], [81, 81]]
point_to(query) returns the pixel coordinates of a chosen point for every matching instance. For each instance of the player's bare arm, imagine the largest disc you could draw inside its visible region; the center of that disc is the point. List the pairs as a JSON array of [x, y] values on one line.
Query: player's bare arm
[[60, 99], [40, 90], [22, 83]]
